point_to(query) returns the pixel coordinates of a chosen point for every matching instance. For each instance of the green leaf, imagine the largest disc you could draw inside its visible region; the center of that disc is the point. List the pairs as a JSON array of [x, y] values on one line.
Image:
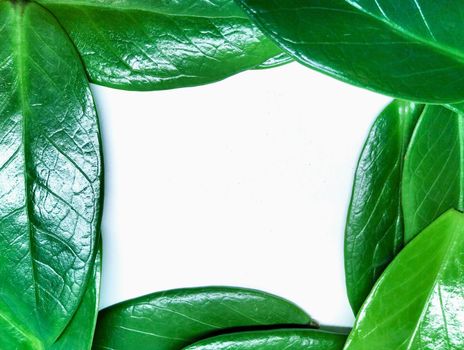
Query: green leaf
[[288, 339], [152, 45], [276, 61], [80, 331], [433, 177], [418, 303], [402, 49], [50, 175], [173, 319], [374, 229]]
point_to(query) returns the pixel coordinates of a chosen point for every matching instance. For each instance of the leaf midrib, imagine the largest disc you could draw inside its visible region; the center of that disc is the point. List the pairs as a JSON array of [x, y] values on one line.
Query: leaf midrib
[[447, 51], [83, 4], [20, 62]]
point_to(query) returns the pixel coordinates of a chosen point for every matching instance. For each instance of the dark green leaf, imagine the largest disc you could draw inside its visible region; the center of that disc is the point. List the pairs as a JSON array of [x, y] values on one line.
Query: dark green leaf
[[288, 339], [403, 49], [418, 303], [433, 177], [151, 45], [374, 228], [80, 331], [173, 319], [50, 175]]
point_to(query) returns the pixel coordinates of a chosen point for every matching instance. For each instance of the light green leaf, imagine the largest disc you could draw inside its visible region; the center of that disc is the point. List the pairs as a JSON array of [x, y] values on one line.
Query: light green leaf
[[152, 45], [374, 229], [174, 319], [410, 49], [288, 339], [418, 303], [50, 175]]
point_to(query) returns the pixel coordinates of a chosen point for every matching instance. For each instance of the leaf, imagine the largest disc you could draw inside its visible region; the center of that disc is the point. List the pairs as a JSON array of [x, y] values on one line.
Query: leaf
[[374, 228], [152, 45], [418, 303], [276, 61], [80, 331], [288, 339], [50, 175], [177, 318], [402, 49], [433, 177]]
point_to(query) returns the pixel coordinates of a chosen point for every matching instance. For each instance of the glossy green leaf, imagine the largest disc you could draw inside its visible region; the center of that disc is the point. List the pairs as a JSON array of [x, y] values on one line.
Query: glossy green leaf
[[418, 303], [174, 319], [79, 333], [433, 177], [288, 339], [412, 50], [50, 175], [151, 45], [374, 228]]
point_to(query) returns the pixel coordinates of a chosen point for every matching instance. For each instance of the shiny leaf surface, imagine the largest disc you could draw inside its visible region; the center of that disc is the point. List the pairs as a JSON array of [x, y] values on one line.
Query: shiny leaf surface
[[276, 61], [79, 333], [174, 319], [403, 49], [374, 228], [433, 177], [50, 175], [288, 339], [151, 45], [418, 303]]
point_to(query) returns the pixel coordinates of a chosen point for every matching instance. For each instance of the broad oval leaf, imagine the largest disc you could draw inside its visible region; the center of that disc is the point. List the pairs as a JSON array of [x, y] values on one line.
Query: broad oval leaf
[[174, 319], [374, 229], [288, 339], [402, 49], [79, 333], [152, 45], [418, 303], [50, 171], [433, 176]]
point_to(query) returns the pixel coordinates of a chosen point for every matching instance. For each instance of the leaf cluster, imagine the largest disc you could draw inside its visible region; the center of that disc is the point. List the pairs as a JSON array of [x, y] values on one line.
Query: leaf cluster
[[404, 239]]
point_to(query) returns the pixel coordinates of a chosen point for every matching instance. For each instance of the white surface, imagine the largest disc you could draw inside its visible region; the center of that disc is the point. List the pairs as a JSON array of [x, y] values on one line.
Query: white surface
[[244, 182]]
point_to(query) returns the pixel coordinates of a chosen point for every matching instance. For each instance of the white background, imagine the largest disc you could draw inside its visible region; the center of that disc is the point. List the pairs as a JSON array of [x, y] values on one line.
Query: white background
[[244, 182]]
